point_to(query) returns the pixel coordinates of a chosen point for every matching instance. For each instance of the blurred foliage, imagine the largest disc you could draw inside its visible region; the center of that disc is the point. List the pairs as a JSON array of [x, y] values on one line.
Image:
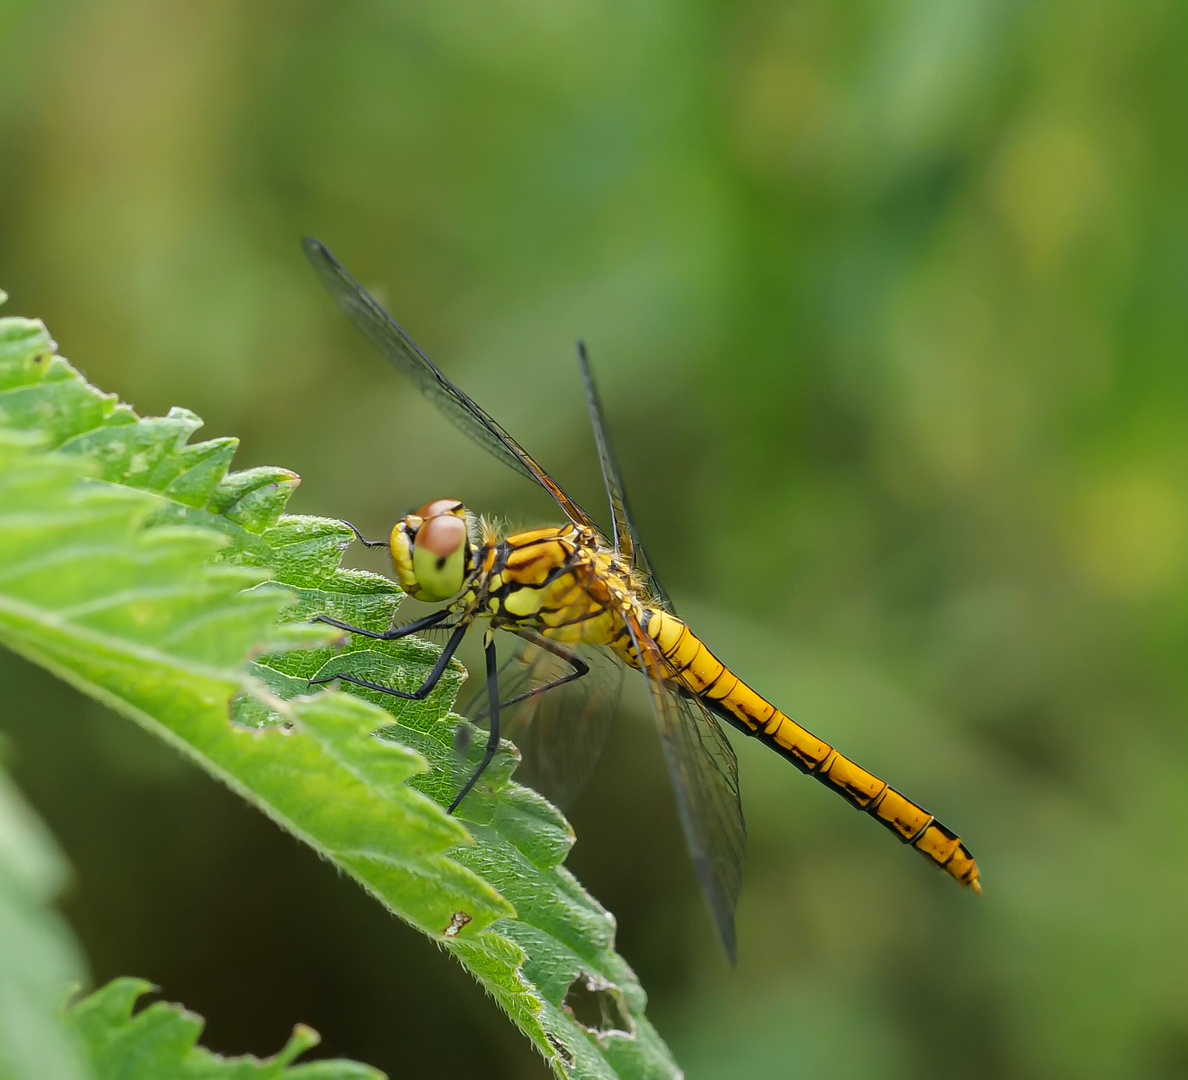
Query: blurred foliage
[[39, 961], [889, 304]]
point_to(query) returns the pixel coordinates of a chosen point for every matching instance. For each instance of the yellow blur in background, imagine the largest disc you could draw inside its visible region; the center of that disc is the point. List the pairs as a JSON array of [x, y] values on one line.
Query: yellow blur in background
[[889, 305]]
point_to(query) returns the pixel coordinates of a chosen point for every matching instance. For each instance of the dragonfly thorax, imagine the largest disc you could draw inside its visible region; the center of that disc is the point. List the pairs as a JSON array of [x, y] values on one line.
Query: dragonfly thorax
[[431, 550]]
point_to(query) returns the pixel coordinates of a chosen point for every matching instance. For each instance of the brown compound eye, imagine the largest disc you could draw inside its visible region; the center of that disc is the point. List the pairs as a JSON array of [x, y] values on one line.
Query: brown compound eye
[[441, 535], [437, 507], [440, 557]]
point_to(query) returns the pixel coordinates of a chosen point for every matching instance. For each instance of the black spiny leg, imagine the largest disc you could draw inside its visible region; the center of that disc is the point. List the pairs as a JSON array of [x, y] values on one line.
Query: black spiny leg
[[580, 669], [431, 680], [493, 733], [363, 539], [395, 633]]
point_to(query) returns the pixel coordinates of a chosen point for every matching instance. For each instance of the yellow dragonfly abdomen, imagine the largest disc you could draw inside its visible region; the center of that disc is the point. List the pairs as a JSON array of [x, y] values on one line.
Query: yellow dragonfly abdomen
[[703, 674], [553, 580]]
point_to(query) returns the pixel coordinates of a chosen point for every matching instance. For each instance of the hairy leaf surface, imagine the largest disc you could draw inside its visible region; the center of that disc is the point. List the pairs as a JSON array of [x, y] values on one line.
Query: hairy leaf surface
[[135, 567]]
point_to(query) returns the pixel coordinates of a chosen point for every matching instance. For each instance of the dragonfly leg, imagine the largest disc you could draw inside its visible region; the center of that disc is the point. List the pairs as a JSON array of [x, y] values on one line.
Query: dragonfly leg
[[580, 669], [363, 539], [493, 733], [395, 633], [425, 689]]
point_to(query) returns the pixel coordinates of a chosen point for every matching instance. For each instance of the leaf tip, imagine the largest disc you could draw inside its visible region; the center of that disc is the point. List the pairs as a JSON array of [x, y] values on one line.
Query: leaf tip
[[303, 1038]]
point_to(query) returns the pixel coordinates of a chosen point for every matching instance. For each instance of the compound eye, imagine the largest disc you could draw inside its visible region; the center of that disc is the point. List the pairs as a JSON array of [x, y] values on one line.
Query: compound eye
[[439, 555], [439, 506]]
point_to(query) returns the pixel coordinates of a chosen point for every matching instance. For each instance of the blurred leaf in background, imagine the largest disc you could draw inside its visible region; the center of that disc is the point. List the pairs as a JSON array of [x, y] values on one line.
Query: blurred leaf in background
[[892, 296], [39, 962]]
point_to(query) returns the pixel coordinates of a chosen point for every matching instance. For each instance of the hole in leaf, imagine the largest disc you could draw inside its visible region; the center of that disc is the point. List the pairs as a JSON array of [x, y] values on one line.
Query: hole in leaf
[[598, 1007]]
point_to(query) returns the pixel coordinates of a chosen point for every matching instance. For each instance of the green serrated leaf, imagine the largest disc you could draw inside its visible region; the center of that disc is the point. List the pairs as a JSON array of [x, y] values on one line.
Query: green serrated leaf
[[153, 454], [254, 498], [134, 572], [161, 1043]]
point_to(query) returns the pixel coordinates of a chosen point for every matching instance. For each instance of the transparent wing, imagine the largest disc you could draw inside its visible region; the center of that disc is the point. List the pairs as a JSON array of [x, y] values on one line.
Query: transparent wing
[[626, 537], [561, 731], [704, 775], [383, 332]]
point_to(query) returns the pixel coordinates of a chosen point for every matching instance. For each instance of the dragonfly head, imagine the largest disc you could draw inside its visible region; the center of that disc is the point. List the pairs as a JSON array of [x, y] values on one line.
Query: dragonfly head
[[431, 550]]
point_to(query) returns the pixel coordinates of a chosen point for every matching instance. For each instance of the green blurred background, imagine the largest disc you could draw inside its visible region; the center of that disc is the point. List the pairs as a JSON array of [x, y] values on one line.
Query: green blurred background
[[889, 302]]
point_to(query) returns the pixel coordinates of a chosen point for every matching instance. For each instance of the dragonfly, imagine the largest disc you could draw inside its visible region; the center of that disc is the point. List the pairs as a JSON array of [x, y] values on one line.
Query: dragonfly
[[579, 600]]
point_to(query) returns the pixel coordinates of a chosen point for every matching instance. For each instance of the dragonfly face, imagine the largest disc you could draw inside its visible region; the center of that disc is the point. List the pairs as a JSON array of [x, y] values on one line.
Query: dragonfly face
[[431, 550], [578, 602]]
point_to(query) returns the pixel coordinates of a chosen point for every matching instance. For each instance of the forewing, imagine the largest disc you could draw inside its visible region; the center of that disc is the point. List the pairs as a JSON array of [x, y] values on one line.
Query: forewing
[[624, 533], [704, 775], [626, 536], [560, 732], [456, 406]]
